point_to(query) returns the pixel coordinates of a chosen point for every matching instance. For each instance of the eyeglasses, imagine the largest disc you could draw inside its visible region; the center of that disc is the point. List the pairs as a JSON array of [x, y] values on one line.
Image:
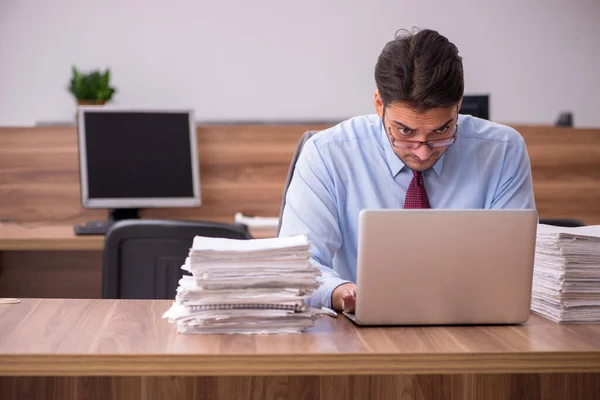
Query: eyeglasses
[[415, 144]]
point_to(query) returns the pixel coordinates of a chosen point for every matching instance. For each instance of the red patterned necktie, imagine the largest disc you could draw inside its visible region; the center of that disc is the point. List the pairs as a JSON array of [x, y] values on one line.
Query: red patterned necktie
[[416, 195]]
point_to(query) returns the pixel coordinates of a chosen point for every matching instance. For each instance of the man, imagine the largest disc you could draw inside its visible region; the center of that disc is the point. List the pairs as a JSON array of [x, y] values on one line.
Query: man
[[417, 152]]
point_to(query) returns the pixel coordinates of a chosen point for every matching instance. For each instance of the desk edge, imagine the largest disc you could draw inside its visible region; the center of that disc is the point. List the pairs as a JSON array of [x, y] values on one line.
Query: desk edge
[[294, 364]]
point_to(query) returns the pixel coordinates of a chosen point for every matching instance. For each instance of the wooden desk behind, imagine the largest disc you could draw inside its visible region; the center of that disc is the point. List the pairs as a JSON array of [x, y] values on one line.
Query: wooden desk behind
[[31, 237], [95, 348], [51, 261]]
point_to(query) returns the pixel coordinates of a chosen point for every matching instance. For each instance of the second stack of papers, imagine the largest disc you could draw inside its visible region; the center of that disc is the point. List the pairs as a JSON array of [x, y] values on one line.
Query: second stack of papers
[[566, 281]]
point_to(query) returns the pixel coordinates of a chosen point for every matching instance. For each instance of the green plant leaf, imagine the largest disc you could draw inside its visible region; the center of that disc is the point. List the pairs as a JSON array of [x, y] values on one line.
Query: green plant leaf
[[92, 86], [105, 79]]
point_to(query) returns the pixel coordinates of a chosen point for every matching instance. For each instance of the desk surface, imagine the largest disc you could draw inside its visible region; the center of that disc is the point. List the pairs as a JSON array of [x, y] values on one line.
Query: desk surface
[[129, 337], [61, 237]]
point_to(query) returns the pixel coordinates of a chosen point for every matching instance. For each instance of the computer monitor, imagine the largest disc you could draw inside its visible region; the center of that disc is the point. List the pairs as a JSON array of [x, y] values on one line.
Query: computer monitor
[[476, 105], [137, 158]]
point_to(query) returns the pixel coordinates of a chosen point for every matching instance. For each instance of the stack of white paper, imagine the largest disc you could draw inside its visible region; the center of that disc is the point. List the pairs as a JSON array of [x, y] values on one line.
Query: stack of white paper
[[246, 286], [566, 280]]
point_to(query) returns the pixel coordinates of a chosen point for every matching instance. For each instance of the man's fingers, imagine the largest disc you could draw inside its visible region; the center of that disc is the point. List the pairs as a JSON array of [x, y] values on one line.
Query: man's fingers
[[343, 297], [348, 300]]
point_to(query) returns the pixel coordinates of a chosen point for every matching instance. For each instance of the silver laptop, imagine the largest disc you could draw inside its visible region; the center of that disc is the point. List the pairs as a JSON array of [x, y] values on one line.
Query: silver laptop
[[440, 267]]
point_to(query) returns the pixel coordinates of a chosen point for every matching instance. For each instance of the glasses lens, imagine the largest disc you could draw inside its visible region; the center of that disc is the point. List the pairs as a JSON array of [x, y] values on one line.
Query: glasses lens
[[406, 145], [442, 143]]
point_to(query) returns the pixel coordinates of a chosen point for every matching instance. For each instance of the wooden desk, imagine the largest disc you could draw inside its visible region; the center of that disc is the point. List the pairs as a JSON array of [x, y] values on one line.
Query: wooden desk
[[51, 261], [31, 237], [71, 349], [61, 237]]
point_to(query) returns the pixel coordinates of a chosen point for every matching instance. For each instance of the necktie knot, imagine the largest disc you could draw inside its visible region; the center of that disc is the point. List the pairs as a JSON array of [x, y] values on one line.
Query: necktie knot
[[418, 176]]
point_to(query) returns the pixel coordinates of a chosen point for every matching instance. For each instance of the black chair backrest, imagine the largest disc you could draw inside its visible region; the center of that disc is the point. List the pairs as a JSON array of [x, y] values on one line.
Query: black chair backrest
[[564, 222], [307, 135], [142, 259]]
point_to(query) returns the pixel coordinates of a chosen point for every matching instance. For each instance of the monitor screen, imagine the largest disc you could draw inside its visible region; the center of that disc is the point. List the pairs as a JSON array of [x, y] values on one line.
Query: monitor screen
[[138, 158]]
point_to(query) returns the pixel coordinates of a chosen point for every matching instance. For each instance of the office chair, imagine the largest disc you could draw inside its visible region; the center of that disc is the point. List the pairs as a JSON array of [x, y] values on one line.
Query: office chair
[[565, 119], [142, 259], [307, 135]]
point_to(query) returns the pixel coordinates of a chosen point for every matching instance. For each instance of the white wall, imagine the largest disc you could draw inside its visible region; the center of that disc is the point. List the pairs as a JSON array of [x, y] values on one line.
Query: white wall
[[283, 60]]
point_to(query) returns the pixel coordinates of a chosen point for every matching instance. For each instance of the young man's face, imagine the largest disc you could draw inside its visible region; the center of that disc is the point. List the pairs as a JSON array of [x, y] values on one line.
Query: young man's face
[[404, 126]]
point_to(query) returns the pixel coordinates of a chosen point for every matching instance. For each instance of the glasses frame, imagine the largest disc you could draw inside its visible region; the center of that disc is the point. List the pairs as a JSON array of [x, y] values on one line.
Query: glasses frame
[[415, 144]]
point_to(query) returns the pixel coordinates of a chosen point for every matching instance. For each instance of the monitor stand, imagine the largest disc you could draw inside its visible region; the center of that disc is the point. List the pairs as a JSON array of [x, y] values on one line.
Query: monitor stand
[[102, 227]]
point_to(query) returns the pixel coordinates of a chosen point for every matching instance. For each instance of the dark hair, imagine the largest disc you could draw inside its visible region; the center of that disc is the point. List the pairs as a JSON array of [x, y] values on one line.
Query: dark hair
[[422, 68]]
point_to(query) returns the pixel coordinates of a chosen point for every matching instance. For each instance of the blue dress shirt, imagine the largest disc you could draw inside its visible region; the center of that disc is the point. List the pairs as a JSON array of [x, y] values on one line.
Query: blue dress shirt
[[352, 166]]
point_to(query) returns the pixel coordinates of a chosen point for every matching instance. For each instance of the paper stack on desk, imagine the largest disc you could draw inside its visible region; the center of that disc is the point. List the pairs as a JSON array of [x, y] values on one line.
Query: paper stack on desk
[[246, 287], [566, 281]]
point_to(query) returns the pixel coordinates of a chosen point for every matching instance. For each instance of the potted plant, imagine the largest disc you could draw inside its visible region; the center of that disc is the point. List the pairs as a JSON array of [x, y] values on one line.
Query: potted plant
[[91, 88]]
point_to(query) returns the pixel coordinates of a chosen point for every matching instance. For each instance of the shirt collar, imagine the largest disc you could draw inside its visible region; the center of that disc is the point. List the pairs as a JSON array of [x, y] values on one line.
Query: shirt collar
[[438, 166], [394, 162]]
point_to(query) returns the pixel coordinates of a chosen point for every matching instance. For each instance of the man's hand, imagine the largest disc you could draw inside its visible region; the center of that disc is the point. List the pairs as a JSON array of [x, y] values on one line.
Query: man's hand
[[343, 297]]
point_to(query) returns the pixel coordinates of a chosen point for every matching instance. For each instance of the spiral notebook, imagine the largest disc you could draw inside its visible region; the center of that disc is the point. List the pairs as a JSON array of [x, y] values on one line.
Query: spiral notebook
[[298, 307]]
